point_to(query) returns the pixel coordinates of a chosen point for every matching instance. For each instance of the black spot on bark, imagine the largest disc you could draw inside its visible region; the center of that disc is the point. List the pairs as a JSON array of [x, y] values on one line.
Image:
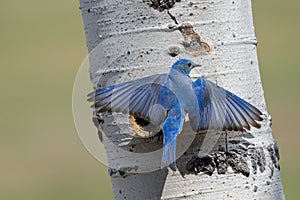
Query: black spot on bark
[[274, 154], [100, 136], [234, 141], [220, 161], [254, 159], [258, 159], [276, 150], [238, 163], [205, 165], [261, 162], [174, 51], [161, 5], [123, 172], [272, 171], [97, 120], [221, 164], [255, 188]]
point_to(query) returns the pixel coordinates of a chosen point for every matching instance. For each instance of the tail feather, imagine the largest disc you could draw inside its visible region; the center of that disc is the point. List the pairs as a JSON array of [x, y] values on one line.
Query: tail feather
[[171, 128], [169, 154]]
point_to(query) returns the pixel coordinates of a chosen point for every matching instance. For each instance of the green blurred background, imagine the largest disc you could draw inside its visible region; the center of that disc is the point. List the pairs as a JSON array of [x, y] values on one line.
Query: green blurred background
[[41, 48]]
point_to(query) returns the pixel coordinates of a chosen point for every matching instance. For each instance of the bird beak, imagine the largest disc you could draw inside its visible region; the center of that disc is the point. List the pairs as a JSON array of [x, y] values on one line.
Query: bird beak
[[197, 65]]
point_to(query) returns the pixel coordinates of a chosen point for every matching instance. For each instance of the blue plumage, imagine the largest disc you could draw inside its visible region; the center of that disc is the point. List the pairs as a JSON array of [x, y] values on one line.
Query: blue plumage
[[163, 99]]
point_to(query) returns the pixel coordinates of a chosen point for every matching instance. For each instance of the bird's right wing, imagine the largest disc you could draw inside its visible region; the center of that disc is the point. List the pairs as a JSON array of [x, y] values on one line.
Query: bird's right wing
[[220, 109], [141, 98]]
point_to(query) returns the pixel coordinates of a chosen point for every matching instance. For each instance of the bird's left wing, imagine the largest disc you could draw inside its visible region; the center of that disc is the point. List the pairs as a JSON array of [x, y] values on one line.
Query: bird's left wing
[[140, 98], [220, 109]]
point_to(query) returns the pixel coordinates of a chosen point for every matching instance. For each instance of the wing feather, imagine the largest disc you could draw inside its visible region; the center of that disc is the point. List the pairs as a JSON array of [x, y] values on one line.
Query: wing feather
[[136, 97], [222, 110]]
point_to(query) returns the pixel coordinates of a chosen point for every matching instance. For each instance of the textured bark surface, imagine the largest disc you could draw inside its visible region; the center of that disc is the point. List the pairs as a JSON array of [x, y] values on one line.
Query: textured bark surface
[[137, 38]]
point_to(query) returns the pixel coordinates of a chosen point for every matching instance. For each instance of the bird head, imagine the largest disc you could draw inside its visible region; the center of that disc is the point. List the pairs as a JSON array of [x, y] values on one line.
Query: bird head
[[184, 66]]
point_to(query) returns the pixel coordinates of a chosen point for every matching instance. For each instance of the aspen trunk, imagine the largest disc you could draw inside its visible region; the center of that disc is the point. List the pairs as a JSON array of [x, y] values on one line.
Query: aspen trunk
[[137, 38]]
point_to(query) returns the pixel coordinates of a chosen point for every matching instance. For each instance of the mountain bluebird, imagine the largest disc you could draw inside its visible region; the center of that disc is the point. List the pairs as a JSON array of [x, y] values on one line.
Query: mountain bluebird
[[164, 99]]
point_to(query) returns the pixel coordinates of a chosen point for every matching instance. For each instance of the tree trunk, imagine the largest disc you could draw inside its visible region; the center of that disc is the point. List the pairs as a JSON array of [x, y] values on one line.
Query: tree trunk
[[137, 38]]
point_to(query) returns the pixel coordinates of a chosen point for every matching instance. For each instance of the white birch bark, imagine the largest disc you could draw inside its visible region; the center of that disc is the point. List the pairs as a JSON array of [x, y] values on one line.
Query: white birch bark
[[132, 39]]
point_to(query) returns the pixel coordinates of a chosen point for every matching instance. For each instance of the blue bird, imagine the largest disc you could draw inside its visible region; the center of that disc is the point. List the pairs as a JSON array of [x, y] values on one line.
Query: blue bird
[[164, 99]]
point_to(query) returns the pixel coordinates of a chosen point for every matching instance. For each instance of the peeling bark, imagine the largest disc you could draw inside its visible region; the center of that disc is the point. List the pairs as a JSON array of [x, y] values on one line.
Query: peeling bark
[[136, 38]]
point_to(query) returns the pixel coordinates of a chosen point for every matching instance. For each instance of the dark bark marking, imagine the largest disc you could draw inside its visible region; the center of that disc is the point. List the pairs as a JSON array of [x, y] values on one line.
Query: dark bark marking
[[174, 51], [173, 17], [238, 163], [220, 160], [123, 172], [274, 154], [255, 188], [261, 159], [205, 165], [161, 5], [236, 159], [276, 150], [97, 120]]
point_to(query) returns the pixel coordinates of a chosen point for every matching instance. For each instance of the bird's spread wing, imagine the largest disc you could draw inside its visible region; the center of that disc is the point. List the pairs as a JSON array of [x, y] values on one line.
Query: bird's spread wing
[[219, 109], [140, 97]]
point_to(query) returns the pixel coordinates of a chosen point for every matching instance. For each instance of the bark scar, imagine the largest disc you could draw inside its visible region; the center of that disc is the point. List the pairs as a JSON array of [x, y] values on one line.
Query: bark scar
[[192, 40], [192, 43]]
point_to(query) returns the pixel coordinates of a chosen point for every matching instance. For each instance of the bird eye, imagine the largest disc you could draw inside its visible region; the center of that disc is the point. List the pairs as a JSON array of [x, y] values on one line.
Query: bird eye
[[189, 64]]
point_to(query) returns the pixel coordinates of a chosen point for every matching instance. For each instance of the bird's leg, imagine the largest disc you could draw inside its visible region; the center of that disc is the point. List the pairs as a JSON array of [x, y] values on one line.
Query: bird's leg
[[159, 135], [217, 83], [226, 143]]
